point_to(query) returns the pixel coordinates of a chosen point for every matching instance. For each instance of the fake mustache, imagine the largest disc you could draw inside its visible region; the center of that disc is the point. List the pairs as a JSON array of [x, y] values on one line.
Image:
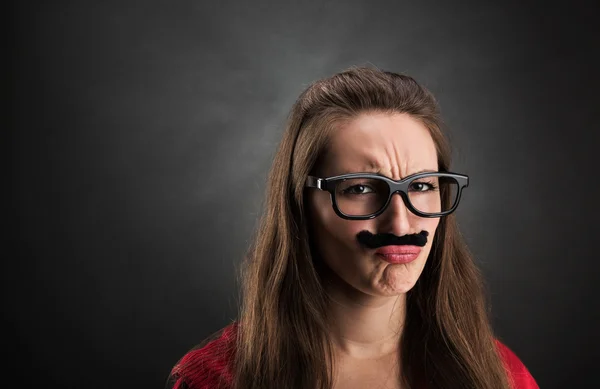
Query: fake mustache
[[379, 240]]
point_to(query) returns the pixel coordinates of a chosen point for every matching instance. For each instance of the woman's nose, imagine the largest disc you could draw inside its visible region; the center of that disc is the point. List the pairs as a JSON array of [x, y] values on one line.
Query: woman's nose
[[397, 215]]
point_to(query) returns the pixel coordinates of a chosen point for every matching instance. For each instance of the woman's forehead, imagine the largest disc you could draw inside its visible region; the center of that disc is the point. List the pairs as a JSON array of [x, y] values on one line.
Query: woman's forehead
[[395, 145]]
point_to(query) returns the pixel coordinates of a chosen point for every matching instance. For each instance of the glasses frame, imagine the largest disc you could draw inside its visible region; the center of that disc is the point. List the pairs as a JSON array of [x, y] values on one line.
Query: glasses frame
[[328, 184]]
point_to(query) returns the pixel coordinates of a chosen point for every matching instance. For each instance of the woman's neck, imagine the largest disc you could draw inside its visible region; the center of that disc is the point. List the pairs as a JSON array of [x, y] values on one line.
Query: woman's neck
[[364, 326]]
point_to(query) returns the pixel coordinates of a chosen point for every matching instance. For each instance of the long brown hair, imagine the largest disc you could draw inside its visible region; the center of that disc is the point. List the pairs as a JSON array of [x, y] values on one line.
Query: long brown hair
[[282, 339]]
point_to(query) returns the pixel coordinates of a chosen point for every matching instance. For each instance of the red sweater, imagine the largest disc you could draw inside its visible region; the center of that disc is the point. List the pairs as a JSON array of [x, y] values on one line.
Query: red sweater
[[208, 367]]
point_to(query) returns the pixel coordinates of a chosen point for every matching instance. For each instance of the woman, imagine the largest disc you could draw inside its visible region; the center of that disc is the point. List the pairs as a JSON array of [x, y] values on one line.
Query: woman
[[358, 276]]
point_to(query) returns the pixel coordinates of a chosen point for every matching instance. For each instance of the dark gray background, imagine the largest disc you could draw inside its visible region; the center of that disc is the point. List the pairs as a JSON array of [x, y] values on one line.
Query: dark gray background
[[142, 133]]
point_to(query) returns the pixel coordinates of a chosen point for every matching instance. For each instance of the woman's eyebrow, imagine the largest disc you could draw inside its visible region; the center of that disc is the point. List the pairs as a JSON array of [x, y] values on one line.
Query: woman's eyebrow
[[424, 171], [377, 170]]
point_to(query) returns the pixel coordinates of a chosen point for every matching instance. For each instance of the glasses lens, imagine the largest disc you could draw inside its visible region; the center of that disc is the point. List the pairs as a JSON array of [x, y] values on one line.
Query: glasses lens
[[433, 194], [361, 196]]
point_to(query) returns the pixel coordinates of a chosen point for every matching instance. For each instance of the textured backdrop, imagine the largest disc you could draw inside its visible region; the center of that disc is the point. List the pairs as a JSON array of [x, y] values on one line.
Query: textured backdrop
[[142, 132]]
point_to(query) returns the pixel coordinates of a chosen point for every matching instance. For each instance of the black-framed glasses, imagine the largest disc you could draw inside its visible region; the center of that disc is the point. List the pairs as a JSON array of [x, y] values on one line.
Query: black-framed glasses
[[362, 196]]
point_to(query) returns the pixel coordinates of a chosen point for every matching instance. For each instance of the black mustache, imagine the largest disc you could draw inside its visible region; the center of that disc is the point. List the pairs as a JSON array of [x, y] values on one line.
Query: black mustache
[[379, 240]]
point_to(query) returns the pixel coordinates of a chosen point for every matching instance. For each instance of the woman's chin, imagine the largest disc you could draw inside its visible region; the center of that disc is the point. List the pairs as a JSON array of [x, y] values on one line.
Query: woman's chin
[[395, 280]]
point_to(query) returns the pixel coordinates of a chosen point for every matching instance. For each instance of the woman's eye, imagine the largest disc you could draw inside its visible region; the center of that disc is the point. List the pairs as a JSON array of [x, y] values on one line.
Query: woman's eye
[[358, 189], [421, 186]]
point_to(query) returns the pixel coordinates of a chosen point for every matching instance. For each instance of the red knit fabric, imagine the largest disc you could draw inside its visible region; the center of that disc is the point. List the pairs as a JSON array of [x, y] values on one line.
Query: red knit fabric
[[210, 366], [522, 378]]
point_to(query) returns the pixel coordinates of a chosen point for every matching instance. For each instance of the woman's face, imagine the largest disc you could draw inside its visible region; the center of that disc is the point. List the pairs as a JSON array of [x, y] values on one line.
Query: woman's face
[[394, 145]]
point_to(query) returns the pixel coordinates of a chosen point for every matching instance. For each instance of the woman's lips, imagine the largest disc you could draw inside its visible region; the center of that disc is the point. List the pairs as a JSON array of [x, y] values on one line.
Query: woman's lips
[[398, 254]]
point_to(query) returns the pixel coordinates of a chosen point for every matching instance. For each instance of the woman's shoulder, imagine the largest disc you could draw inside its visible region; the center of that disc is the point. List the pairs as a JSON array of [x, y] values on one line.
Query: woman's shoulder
[[207, 366], [521, 377]]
